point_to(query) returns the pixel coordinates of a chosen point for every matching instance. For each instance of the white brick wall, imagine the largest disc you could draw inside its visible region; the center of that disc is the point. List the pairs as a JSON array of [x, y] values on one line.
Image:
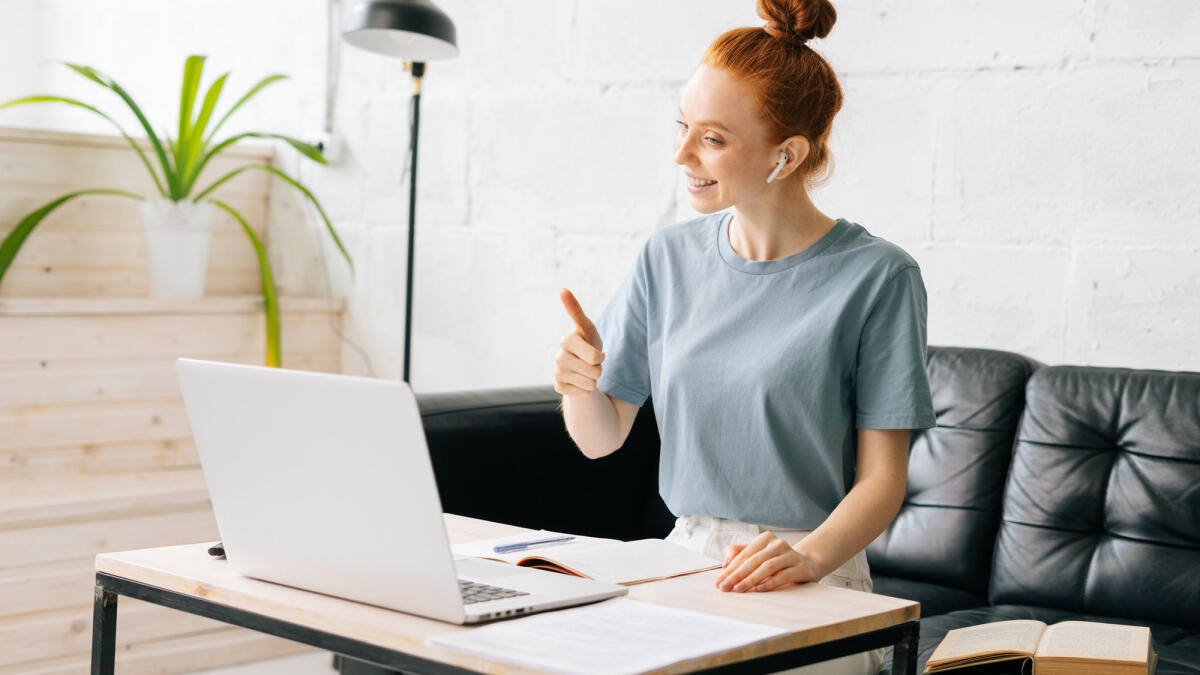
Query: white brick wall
[[1038, 159]]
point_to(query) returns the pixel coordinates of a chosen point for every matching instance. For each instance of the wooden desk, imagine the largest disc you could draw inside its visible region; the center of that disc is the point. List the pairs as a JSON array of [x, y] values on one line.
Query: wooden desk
[[826, 622]]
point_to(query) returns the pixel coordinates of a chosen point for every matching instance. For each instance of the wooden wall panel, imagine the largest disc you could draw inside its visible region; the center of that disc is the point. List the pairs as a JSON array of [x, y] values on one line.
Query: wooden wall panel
[[96, 453]]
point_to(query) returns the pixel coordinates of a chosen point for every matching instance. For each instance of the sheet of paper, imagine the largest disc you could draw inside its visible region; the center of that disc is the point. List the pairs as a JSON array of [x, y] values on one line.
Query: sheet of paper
[[482, 548], [616, 636]]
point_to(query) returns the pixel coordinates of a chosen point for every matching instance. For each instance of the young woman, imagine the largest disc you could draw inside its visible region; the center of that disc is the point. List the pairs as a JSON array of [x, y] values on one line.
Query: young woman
[[785, 349]]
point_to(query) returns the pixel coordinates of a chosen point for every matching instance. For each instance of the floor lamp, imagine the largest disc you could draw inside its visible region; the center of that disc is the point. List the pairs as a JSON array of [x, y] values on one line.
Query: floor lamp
[[416, 31]]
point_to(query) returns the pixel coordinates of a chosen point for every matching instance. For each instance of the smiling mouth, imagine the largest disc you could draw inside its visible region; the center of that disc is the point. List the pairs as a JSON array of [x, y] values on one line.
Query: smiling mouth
[[699, 182]]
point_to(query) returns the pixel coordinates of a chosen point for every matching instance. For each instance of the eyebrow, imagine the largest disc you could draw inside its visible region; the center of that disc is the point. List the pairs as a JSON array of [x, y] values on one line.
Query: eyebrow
[[708, 123]]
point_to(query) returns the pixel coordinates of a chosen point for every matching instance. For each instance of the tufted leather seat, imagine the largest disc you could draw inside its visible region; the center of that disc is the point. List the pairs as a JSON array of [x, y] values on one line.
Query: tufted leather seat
[[939, 549], [1101, 516]]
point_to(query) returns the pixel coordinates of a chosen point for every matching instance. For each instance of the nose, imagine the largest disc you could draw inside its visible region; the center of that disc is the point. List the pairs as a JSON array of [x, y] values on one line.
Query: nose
[[683, 148]]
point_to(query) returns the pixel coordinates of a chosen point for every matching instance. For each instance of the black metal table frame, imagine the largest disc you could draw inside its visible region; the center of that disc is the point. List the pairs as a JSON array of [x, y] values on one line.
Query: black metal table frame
[[903, 637]]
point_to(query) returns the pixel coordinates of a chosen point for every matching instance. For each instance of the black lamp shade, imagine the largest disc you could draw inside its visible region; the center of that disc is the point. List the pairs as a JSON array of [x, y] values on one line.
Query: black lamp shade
[[414, 30]]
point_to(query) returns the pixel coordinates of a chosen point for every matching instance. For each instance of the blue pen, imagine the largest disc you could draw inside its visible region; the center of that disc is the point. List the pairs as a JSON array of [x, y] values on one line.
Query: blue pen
[[522, 545]]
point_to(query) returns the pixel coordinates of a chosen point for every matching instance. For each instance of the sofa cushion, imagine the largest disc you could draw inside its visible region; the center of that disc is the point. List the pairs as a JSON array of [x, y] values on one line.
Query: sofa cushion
[[934, 598], [1178, 648], [1102, 505], [505, 455], [946, 528]]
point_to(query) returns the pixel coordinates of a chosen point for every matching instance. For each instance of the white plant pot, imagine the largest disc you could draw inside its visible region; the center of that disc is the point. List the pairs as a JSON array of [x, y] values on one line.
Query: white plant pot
[[177, 239]]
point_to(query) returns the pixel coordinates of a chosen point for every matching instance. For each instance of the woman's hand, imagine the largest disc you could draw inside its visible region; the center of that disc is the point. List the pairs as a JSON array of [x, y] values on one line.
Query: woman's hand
[[577, 365], [765, 564]]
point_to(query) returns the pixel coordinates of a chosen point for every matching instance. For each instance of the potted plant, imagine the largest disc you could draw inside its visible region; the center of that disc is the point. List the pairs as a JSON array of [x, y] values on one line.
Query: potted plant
[[177, 221]]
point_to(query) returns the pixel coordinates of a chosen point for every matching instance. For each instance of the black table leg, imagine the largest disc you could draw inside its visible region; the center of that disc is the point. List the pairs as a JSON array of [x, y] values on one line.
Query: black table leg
[[104, 631], [904, 652]]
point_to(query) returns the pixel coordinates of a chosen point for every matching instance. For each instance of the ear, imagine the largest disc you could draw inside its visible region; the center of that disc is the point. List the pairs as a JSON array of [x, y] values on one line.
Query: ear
[[796, 148]]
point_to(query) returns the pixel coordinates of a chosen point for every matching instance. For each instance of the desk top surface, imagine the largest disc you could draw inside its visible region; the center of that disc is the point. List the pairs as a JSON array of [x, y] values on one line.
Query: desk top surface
[[814, 613]]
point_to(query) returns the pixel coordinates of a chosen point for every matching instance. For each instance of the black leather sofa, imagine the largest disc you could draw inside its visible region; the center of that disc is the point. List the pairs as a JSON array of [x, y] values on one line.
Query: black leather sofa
[[1047, 492]]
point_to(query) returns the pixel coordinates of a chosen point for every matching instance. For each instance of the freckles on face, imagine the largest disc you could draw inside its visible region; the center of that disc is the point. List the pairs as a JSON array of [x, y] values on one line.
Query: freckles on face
[[721, 138]]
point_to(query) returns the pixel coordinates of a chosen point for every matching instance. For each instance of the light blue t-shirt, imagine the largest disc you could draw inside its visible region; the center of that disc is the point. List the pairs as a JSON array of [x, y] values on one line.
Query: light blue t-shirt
[[762, 371]]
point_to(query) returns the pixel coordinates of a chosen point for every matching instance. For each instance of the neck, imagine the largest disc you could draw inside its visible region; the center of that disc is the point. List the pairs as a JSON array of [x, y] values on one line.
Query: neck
[[769, 229]]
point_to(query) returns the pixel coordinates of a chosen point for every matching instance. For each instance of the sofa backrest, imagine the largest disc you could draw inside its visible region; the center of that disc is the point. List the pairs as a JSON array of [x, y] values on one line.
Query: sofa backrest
[[1102, 505], [505, 455], [946, 528]]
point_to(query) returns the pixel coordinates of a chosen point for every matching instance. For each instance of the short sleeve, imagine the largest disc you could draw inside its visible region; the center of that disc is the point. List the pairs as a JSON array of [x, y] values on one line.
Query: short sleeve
[[625, 372], [891, 382]]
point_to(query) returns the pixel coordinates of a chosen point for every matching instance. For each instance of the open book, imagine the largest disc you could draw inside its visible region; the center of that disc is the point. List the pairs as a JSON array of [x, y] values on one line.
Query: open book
[[1029, 646], [611, 560]]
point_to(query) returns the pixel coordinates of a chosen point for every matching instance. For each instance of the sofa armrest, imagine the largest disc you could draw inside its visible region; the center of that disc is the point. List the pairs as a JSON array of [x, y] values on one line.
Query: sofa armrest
[[505, 455]]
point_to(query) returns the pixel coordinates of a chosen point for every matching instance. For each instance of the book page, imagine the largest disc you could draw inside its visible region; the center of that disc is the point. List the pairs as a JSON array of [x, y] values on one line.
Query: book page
[[1018, 637], [613, 637], [482, 548], [629, 562], [1093, 640]]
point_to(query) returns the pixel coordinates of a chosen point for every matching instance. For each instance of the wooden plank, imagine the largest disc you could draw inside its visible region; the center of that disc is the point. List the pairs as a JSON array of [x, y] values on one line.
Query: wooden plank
[[45, 249], [24, 281], [243, 304], [60, 632], [78, 498], [103, 212], [51, 585], [93, 458], [37, 545], [33, 164], [35, 338], [78, 424], [125, 379], [251, 149], [183, 654]]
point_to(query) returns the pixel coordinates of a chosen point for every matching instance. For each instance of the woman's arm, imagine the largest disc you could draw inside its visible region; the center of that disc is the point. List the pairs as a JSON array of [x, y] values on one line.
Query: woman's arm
[[881, 478]]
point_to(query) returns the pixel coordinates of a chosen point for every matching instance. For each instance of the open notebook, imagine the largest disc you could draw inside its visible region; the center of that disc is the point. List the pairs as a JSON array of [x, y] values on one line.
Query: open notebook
[[611, 560]]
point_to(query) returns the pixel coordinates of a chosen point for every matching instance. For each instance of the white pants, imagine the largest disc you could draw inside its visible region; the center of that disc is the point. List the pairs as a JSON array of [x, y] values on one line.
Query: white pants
[[710, 536]]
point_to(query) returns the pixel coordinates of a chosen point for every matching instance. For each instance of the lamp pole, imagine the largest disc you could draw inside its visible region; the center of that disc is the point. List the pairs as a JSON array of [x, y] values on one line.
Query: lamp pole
[[418, 71]]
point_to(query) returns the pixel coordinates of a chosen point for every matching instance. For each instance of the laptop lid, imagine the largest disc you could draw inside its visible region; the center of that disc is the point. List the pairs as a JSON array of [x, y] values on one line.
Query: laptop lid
[[323, 482]]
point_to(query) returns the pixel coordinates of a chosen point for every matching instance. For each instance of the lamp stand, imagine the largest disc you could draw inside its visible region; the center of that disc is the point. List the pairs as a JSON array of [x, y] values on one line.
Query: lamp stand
[[418, 71]]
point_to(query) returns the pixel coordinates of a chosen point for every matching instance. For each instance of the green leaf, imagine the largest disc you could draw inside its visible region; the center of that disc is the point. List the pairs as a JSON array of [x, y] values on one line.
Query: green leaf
[[253, 90], [263, 167], [99, 78], [306, 149], [270, 297], [13, 241], [193, 68], [196, 142], [71, 101]]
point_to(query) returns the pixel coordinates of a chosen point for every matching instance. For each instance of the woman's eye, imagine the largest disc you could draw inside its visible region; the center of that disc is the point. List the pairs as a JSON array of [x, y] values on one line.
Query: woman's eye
[[710, 139]]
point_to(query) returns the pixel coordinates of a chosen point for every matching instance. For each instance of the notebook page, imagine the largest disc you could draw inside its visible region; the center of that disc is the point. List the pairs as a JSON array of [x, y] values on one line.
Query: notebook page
[[482, 548], [631, 562], [617, 637]]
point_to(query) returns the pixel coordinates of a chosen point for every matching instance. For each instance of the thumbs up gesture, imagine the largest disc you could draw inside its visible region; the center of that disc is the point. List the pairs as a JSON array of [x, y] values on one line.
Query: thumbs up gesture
[[577, 366]]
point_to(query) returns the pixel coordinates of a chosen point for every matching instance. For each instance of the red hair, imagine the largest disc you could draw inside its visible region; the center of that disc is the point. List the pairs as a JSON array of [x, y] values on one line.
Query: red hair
[[796, 89]]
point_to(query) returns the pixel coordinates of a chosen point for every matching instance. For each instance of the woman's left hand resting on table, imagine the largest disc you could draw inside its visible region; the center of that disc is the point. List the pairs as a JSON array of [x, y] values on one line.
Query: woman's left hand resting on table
[[765, 564]]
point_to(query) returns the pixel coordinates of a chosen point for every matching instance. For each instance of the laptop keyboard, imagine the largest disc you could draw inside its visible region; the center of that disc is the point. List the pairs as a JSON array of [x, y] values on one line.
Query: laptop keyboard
[[473, 592]]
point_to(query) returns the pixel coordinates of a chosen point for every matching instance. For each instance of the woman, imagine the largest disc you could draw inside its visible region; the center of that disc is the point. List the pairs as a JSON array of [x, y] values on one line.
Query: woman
[[785, 349]]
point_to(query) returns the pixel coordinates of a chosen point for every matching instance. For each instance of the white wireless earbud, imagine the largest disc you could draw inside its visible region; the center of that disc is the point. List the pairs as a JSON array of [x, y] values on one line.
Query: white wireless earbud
[[778, 167]]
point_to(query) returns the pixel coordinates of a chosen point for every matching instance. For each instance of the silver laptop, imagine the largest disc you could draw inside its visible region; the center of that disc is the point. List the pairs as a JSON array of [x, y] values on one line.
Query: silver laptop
[[324, 482]]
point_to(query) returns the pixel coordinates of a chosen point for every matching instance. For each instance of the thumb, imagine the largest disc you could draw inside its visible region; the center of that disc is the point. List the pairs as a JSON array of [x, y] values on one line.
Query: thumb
[[587, 329]]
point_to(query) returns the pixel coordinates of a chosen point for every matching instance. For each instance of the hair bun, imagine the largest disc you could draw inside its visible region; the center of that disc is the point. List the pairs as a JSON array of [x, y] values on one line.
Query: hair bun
[[797, 21]]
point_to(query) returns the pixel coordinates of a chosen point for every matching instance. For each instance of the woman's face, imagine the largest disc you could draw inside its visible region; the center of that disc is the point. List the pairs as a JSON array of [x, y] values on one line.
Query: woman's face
[[722, 138]]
